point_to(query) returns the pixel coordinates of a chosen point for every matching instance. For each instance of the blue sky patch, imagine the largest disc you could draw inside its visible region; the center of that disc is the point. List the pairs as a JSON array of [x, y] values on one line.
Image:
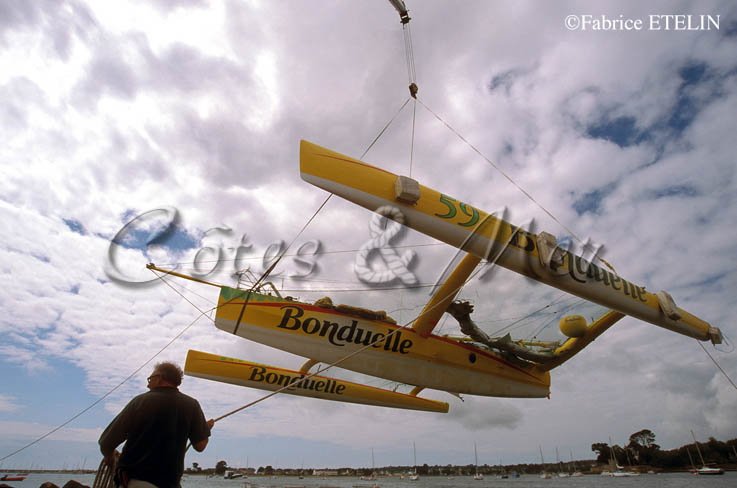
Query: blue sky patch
[[157, 227], [622, 131], [730, 30], [75, 226], [687, 107], [591, 201], [504, 79], [675, 191]]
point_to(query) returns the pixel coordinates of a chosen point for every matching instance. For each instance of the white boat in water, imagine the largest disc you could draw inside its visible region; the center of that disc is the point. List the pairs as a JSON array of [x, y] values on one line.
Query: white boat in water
[[232, 474], [561, 473], [620, 473]]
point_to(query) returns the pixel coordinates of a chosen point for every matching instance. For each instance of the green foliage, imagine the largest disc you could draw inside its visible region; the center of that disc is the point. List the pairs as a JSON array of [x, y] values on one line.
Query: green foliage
[[643, 450], [603, 452], [642, 445], [220, 467]]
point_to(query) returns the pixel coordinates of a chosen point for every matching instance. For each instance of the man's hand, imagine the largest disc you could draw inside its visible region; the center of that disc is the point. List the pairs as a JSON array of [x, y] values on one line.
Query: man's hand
[[112, 458], [211, 423]]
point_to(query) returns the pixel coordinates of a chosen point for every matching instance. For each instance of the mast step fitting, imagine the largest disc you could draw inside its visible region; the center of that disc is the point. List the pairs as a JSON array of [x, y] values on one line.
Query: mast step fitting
[[668, 305], [406, 190]]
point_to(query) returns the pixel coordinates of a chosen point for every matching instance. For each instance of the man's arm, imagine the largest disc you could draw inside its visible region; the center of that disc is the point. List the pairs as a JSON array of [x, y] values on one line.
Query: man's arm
[[201, 445], [112, 436]]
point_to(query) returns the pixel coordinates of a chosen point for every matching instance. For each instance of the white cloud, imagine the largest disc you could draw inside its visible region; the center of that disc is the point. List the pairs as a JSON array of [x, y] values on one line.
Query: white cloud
[[7, 404], [33, 430]]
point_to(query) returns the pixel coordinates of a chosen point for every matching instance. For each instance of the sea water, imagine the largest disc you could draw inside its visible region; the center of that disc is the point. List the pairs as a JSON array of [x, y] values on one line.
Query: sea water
[[664, 480]]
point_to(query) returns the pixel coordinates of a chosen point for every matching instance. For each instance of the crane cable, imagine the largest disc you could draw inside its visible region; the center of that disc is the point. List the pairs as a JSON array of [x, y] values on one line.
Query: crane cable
[[509, 178]]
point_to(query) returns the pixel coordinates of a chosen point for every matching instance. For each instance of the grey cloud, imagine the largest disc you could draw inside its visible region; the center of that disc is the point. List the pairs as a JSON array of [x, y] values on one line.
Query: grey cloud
[[109, 73], [18, 95], [59, 21], [478, 414], [15, 14], [171, 5]]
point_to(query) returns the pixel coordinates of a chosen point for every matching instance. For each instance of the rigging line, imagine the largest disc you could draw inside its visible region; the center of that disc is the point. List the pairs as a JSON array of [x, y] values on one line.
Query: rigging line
[[171, 285], [202, 313], [319, 253], [499, 331], [346, 290], [385, 128], [717, 365], [550, 321], [573, 234], [276, 261]]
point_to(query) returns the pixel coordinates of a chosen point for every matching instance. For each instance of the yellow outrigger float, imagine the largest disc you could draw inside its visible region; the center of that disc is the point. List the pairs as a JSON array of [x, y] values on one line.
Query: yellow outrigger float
[[371, 343], [254, 375], [484, 236]]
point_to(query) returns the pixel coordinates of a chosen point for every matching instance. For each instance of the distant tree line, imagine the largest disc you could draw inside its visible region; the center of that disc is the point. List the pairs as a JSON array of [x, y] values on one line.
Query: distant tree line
[[642, 449]]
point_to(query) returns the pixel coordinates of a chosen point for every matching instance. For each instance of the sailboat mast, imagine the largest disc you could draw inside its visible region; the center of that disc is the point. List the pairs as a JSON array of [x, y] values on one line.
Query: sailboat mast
[[475, 458], [612, 456], [688, 451], [698, 449]]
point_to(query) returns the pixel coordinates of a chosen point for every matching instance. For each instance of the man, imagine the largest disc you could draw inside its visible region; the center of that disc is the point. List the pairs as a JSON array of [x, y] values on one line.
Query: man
[[156, 426]]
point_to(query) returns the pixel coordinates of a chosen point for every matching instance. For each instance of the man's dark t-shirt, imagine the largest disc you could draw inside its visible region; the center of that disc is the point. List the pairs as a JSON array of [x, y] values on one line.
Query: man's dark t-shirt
[[156, 426]]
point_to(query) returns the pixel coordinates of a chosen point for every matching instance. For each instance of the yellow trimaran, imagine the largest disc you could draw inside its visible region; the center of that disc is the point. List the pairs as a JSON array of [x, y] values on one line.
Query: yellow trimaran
[[373, 344]]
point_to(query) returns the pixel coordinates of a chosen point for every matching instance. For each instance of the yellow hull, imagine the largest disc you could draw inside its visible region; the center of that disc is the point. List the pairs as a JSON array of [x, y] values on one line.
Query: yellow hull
[[487, 237], [381, 349], [254, 375]]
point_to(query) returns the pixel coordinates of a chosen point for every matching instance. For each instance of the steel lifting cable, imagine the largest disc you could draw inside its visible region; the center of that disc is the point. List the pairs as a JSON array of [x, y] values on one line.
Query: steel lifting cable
[[381, 132], [717, 365], [281, 255], [409, 55], [509, 178], [413, 89]]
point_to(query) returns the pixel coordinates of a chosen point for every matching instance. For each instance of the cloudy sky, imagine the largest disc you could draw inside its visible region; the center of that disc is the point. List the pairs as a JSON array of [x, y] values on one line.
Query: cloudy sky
[[119, 118]]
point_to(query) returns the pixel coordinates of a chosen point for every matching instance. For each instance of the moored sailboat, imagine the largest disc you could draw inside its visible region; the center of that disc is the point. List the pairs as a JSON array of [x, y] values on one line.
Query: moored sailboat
[[413, 476], [477, 475], [544, 475], [704, 469], [576, 473], [372, 476]]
